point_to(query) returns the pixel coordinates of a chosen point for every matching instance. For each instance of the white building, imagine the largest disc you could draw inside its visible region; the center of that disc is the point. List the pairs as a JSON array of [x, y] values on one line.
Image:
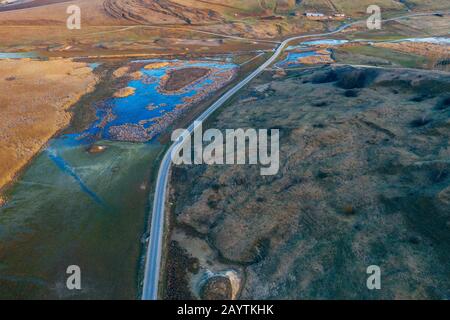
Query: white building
[[314, 14]]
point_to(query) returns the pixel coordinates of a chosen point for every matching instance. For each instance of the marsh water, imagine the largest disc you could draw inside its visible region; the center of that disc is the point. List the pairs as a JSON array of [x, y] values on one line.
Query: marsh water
[[74, 207]]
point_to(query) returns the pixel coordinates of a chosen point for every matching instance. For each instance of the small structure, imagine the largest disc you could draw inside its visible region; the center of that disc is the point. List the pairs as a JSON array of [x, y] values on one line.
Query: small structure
[[315, 16]]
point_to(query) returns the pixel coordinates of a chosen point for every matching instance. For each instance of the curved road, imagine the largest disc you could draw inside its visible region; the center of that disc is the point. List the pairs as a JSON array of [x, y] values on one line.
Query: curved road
[[153, 258]]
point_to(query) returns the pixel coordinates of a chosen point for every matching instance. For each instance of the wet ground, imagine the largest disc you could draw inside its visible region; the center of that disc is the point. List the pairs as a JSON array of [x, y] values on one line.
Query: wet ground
[[297, 55], [84, 200], [23, 4]]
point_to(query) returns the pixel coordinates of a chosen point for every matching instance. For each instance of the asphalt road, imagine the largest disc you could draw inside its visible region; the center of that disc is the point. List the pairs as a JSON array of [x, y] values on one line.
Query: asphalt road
[[153, 258]]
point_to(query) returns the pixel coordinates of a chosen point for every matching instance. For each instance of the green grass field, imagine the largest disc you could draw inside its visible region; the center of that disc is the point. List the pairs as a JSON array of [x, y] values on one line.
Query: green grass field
[[398, 58]]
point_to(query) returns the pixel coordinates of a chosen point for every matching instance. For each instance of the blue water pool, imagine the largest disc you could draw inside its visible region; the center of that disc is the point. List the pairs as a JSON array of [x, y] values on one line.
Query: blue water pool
[[17, 55]]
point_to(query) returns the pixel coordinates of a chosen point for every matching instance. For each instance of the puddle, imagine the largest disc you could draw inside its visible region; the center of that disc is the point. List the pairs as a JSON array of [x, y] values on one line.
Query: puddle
[[17, 55], [329, 42], [294, 59]]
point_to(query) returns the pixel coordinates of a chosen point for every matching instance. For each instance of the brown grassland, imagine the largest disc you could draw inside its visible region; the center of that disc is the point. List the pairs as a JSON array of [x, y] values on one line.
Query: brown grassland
[[34, 103]]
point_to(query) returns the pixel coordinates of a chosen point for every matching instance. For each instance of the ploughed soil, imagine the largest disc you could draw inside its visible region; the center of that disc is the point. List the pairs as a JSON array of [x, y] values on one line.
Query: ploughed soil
[[181, 78], [29, 4], [364, 180]]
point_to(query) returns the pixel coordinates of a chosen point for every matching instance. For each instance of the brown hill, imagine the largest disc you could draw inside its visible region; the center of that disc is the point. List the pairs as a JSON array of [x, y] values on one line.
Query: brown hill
[[159, 12]]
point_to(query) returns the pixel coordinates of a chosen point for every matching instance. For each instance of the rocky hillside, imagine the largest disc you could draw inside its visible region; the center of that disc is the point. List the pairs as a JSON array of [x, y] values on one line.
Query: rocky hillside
[[364, 179]]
